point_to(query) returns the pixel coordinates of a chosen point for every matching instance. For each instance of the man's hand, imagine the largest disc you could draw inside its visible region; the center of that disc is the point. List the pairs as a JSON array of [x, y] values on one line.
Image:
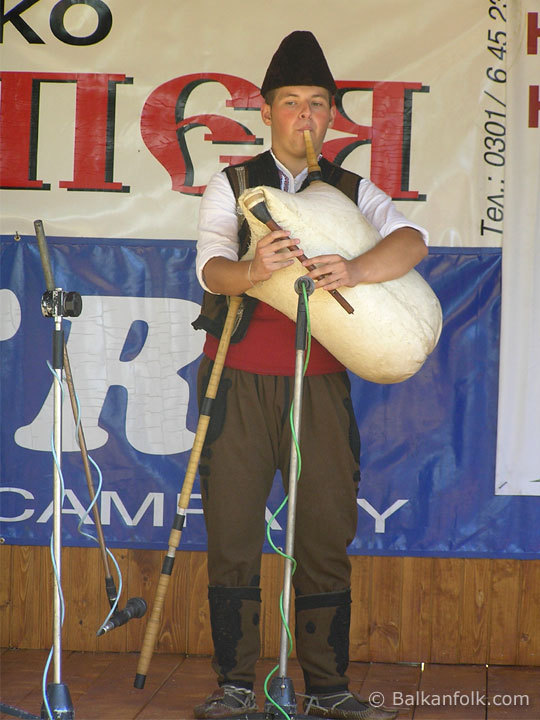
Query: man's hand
[[390, 258], [272, 253], [333, 271], [233, 277]]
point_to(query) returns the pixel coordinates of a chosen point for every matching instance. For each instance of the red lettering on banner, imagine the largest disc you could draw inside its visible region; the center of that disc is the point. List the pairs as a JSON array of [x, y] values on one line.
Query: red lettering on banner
[[164, 127], [94, 133], [533, 33], [389, 134], [19, 106], [94, 130], [534, 105]]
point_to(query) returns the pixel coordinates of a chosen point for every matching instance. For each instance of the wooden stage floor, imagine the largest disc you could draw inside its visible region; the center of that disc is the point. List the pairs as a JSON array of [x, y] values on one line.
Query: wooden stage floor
[[101, 687]]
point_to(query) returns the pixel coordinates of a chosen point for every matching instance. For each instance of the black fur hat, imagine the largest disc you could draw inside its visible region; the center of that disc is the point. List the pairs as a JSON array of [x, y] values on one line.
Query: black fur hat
[[299, 60]]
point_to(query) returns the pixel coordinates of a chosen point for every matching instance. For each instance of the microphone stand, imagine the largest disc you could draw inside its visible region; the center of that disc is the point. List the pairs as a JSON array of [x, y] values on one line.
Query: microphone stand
[[281, 691], [136, 607], [57, 304]]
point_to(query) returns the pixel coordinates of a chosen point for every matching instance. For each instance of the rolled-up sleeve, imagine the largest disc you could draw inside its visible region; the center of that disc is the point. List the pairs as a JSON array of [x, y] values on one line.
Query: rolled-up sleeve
[[217, 232], [381, 212]]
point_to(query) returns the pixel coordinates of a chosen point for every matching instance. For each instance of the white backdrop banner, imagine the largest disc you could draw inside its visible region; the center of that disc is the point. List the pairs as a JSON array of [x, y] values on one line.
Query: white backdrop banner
[[115, 114]]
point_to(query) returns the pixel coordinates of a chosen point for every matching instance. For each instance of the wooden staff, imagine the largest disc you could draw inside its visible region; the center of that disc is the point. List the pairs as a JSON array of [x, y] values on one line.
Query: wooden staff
[[256, 204], [154, 620]]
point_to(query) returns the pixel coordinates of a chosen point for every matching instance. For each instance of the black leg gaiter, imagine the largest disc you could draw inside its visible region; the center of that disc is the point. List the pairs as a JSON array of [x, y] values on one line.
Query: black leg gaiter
[[234, 617], [322, 640]]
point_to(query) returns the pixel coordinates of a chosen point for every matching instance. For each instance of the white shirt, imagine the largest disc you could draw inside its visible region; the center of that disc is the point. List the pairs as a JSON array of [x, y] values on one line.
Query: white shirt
[[218, 219]]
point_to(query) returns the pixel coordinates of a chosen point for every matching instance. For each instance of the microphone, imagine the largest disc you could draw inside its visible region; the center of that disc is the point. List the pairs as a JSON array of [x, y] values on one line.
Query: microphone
[[135, 608]]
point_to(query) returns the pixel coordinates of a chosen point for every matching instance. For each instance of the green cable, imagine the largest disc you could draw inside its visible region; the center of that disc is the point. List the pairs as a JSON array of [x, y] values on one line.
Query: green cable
[[280, 508]]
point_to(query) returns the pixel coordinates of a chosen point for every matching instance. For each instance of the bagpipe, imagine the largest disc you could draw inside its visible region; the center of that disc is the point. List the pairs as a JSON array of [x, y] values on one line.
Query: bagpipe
[[382, 332]]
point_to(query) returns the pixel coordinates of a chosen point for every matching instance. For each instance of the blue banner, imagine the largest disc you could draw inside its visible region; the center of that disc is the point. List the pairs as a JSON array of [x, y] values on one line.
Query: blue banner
[[428, 444]]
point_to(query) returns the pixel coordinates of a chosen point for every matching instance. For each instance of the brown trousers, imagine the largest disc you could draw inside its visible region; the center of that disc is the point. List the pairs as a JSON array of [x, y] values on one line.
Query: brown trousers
[[248, 439]]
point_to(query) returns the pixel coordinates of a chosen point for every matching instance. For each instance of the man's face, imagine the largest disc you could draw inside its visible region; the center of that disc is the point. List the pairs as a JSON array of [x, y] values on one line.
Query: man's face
[[296, 108]]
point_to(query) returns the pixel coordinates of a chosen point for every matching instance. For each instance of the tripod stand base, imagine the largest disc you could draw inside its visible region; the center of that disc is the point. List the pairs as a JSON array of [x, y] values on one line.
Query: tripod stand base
[[282, 693], [60, 704]]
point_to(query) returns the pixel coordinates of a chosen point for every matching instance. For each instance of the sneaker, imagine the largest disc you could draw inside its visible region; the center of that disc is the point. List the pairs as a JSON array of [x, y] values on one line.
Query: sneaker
[[345, 705], [225, 702]]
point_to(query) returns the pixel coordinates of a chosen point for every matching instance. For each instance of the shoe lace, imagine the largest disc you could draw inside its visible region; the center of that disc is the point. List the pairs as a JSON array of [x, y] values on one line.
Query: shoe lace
[[313, 700], [242, 695]]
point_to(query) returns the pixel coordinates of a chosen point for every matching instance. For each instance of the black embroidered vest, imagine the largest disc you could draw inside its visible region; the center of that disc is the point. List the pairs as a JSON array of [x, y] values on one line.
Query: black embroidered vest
[[260, 170]]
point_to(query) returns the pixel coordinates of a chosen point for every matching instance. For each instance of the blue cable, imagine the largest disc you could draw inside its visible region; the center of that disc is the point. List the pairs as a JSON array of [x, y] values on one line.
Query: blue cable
[[53, 559], [81, 531]]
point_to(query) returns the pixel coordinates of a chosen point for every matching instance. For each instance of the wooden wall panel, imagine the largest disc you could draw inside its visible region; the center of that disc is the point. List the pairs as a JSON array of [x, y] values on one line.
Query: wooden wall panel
[[6, 587], [529, 636], [438, 610], [385, 614], [31, 597], [475, 610], [362, 598], [416, 609], [447, 592], [506, 582]]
